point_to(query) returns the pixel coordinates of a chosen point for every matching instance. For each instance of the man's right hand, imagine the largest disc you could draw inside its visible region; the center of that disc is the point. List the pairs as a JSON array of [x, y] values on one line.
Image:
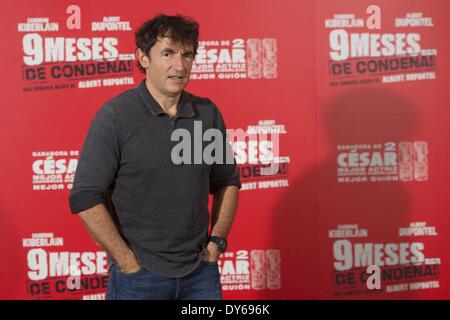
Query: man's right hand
[[103, 230], [130, 263]]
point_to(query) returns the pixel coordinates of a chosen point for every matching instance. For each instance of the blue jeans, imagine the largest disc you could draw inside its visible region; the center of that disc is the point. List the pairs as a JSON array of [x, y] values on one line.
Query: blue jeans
[[201, 284]]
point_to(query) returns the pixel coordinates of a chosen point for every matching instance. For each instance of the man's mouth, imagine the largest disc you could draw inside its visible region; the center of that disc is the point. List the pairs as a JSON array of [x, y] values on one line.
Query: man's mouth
[[176, 77]]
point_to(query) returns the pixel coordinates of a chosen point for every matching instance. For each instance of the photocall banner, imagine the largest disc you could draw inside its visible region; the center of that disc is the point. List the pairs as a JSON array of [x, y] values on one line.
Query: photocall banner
[[347, 98]]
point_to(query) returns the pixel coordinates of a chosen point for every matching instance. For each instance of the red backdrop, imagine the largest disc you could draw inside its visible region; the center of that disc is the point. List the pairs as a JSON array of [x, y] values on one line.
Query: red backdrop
[[356, 93]]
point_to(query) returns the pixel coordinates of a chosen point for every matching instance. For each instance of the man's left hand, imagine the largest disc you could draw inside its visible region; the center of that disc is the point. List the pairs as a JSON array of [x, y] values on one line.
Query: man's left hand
[[212, 252]]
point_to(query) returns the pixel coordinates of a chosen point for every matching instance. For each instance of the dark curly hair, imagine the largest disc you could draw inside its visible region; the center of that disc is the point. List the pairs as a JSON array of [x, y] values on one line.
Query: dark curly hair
[[179, 29]]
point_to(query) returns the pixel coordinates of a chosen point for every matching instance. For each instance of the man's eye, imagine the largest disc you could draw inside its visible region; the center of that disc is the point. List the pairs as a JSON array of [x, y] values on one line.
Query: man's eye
[[166, 54], [189, 56]]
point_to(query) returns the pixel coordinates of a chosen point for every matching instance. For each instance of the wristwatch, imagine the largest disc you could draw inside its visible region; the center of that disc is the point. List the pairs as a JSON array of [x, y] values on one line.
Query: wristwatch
[[220, 242]]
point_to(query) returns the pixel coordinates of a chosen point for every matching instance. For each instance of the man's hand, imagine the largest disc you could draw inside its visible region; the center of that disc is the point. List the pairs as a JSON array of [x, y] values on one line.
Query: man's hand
[[212, 252], [129, 264], [101, 227]]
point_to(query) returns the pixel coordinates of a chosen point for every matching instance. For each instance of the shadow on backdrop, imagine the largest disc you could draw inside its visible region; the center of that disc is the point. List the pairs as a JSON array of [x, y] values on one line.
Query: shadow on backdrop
[[315, 202]]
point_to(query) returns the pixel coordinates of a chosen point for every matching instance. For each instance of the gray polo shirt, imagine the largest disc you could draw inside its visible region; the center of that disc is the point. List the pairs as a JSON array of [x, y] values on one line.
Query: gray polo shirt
[[160, 208]]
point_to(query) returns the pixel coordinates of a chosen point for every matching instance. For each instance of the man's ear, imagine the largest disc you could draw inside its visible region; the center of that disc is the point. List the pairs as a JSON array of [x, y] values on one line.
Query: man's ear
[[143, 59]]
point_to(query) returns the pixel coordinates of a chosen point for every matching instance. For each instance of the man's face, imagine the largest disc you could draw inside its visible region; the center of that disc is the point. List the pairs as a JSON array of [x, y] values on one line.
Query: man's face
[[169, 66]]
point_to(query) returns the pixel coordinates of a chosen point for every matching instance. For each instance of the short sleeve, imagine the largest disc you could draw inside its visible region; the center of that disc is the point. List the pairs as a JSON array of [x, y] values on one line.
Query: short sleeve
[[98, 163], [223, 174]]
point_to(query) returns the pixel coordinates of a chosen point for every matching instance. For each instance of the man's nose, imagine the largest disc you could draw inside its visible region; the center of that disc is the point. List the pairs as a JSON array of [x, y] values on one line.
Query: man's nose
[[178, 62]]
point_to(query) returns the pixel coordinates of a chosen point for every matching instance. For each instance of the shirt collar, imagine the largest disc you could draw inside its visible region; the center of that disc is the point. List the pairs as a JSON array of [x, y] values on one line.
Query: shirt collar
[[184, 108]]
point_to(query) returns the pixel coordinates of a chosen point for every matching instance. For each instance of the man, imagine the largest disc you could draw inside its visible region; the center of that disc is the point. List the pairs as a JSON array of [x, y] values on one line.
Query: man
[[149, 213]]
